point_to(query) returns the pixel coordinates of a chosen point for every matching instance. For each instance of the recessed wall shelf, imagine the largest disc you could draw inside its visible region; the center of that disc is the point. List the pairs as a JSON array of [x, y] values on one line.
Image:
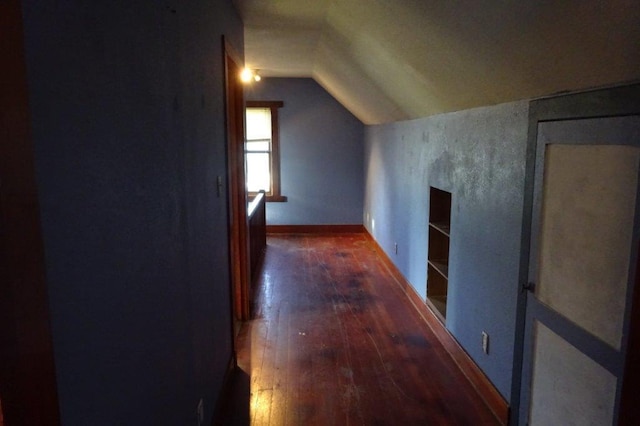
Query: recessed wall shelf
[[438, 256]]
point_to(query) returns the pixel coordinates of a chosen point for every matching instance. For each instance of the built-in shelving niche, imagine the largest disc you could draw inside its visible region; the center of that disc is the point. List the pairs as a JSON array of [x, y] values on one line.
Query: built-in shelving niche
[[438, 255]]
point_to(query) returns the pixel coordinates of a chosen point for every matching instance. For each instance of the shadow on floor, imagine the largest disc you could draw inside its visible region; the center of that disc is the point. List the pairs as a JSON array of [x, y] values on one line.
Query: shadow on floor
[[235, 411]]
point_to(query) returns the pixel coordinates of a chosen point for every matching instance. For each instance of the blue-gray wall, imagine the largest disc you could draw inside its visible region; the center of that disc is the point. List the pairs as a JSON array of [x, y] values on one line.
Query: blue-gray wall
[[127, 112], [479, 156], [321, 154]]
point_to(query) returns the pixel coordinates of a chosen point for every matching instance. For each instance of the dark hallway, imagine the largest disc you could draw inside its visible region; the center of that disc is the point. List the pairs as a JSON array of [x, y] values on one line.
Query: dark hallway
[[335, 341], [122, 228]]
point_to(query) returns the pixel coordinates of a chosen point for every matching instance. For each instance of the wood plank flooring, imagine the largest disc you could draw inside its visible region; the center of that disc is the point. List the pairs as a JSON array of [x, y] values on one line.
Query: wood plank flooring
[[334, 341]]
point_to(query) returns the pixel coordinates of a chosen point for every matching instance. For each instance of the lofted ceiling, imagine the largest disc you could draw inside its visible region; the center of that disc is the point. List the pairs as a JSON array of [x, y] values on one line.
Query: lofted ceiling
[[391, 60]]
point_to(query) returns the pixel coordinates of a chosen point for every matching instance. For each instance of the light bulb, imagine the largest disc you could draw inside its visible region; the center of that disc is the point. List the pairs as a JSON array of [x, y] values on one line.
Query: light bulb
[[246, 75]]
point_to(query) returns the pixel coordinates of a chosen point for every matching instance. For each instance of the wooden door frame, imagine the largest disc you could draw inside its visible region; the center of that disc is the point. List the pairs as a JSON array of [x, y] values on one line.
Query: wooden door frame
[[629, 408], [600, 103], [28, 387], [236, 188]]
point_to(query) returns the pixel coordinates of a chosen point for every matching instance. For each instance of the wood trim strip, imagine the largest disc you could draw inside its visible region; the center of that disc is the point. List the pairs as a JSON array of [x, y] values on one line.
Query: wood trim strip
[[489, 394], [237, 202], [264, 104], [28, 386], [315, 229], [629, 409]]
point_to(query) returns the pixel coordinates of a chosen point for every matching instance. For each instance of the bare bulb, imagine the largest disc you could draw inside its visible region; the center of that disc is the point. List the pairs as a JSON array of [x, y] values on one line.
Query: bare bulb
[[246, 75]]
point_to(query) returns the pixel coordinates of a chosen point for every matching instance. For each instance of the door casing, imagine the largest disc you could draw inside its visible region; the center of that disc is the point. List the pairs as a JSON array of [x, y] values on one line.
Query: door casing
[[236, 188]]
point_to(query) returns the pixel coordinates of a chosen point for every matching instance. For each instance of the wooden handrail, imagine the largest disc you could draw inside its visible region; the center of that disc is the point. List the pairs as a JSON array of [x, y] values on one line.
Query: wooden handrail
[[255, 203]]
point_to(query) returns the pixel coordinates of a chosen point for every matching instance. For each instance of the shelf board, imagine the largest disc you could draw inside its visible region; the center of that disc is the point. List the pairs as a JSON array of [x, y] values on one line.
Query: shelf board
[[439, 303], [441, 266], [442, 227]]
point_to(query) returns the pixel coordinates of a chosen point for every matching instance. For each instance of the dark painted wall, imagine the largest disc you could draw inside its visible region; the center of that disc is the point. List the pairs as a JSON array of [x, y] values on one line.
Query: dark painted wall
[[321, 154], [127, 112], [479, 156]]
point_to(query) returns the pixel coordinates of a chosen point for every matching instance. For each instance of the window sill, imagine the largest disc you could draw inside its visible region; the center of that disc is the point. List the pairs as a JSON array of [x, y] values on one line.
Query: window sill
[[276, 199]]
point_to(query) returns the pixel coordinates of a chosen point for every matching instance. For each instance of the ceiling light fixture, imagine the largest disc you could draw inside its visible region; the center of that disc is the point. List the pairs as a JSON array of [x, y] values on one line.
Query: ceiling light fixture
[[248, 75]]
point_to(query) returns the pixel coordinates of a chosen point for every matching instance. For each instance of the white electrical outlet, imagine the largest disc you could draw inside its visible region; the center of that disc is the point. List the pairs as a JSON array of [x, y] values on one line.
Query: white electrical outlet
[[485, 342], [200, 412]]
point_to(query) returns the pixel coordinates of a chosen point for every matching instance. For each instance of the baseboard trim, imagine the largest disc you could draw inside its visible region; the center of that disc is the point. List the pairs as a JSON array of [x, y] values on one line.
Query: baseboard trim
[[490, 395], [315, 229], [220, 411]]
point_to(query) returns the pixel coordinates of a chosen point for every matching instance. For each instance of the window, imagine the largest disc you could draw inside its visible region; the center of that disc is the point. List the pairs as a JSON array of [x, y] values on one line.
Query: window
[[262, 154]]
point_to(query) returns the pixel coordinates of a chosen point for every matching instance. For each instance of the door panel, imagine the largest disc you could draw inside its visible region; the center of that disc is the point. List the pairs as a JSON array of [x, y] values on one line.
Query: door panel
[[587, 222], [569, 388], [584, 219]]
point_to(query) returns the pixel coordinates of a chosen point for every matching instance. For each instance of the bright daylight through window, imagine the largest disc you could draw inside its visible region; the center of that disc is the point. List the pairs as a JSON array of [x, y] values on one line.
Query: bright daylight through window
[[262, 156], [258, 150]]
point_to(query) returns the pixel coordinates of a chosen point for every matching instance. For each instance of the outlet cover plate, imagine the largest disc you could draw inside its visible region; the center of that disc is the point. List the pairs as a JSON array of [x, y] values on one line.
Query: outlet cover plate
[[485, 342]]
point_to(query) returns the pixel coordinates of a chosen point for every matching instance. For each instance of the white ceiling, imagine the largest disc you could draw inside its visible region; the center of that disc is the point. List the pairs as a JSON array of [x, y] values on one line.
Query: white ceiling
[[390, 60]]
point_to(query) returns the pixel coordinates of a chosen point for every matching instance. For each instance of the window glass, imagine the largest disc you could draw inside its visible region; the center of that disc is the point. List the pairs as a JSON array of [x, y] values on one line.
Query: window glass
[[258, 150], [258, 172], [258, 123], [259, 145]]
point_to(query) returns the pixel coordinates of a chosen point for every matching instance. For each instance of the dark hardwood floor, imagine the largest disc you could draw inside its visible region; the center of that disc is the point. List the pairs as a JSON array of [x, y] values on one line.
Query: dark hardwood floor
[[334, 341]]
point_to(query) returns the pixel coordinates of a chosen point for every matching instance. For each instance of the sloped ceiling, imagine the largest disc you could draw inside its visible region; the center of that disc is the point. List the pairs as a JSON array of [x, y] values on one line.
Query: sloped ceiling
[[394, 60]]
